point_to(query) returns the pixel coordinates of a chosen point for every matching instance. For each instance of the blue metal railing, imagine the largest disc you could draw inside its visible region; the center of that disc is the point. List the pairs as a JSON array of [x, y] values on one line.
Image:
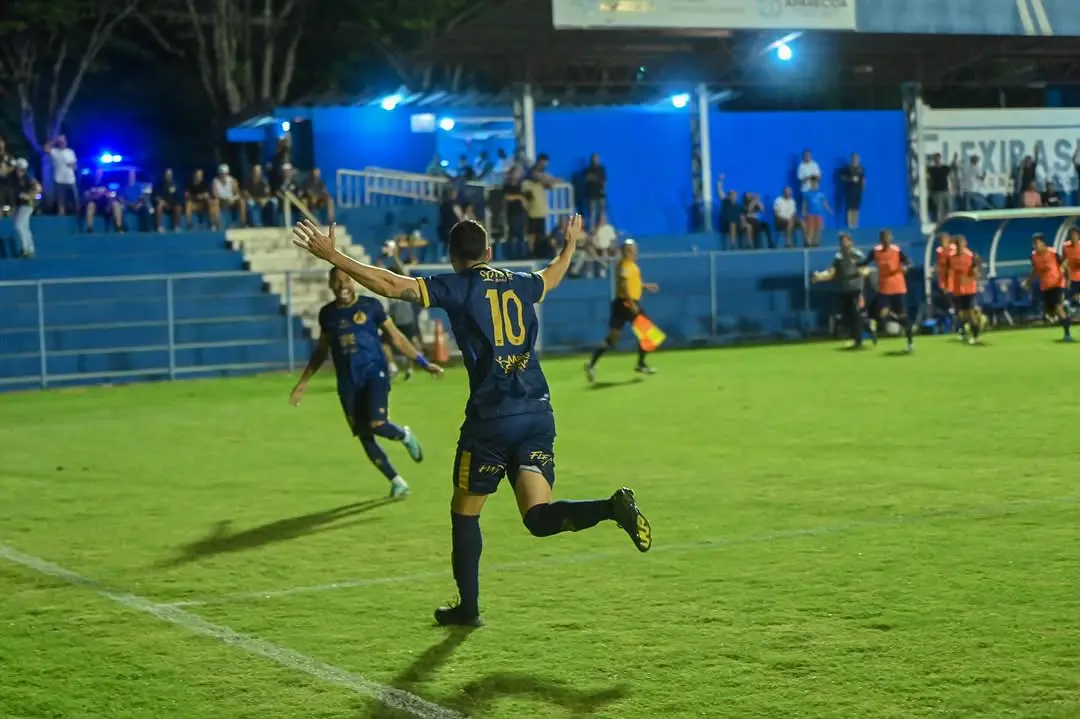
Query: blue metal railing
[[262, 351]]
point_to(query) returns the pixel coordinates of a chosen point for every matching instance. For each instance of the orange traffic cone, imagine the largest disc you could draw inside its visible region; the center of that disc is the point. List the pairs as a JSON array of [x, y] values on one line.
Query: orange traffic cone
[[439, 351]]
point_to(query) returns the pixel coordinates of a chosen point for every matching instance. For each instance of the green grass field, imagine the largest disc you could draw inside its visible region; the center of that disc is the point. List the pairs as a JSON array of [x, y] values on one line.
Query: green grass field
[[837, 534]]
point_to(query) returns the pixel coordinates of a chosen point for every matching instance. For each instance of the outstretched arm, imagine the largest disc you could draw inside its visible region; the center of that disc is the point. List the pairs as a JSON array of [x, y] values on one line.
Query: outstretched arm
[[554, 273], [407, 348], [382, 282], [318, 357]]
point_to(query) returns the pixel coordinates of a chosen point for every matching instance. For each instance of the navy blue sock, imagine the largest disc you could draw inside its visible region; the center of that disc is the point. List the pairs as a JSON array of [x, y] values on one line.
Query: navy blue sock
[[390, 431], [468, 544], [378, 457], [544, 520]]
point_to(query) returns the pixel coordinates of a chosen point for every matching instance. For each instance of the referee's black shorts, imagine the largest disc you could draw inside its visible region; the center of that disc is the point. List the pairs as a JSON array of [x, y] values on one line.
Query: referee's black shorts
[[621, 313]]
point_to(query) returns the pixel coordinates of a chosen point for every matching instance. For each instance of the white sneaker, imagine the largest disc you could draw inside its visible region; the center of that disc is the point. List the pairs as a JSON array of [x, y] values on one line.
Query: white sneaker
[[398, 488]]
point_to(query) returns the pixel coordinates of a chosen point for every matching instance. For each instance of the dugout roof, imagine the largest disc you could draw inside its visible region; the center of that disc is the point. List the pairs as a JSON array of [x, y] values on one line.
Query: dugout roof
[[502, 42]]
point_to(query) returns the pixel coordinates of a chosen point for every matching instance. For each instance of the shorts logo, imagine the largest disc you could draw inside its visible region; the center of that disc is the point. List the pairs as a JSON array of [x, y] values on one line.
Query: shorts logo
[[541, 458], [359, 318], [490, 469]]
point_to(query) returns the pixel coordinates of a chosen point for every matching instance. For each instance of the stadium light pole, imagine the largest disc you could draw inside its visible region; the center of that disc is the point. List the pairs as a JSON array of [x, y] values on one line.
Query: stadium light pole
[[528, 113], [702, 97]]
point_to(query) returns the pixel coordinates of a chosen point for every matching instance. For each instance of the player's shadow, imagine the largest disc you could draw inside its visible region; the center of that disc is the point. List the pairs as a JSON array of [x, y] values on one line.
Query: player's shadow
[[477, 697], [896, 353], [621, 383], [222, 540]]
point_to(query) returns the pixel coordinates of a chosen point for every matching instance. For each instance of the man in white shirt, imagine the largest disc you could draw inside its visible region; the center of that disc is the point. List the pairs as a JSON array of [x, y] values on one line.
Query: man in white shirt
[[970, 176], [808, 171], [226, 190], [65, 164], [786, 216], [604, 244]]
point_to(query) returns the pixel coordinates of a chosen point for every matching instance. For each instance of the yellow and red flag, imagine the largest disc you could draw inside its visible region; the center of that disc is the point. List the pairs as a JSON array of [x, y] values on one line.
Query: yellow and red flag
[[649, 335]]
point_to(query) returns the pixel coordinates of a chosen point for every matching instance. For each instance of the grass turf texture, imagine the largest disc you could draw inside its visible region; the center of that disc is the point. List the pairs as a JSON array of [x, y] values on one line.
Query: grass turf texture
[[837, 534]]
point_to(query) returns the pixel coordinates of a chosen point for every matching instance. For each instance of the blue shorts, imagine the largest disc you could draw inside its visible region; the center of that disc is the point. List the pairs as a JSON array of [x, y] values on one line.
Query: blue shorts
[[366, 403], [488, 450]]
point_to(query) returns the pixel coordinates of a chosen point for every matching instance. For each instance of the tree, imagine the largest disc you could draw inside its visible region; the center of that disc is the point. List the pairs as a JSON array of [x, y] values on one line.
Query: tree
[[47, 47], [244, 50]]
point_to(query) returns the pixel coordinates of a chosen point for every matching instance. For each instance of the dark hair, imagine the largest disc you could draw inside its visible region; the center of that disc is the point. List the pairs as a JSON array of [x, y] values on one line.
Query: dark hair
[[468, 241], [1038, 237], [330, 276]]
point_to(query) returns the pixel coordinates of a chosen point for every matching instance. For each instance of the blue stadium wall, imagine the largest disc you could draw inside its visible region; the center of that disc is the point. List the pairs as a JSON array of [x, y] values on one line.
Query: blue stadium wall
[[647, 153]]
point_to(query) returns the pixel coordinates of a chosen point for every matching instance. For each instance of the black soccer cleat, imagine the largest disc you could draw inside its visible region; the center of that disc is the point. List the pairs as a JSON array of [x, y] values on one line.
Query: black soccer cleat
[[456, 616], [630, 518]]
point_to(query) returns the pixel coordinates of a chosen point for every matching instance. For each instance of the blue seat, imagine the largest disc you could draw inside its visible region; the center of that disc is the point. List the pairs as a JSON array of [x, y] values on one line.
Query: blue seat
[[1023, 299]]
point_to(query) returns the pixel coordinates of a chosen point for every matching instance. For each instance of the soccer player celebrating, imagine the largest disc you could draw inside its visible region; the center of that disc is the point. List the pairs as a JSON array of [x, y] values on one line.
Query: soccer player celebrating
[[891, 301], [509, 427], [349, 332], [1046, 265], [964, 267], [1072, 264], [624, 308], [848, 271]]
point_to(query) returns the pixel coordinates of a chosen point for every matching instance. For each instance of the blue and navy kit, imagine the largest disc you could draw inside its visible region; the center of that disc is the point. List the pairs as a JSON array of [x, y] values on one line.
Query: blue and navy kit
[[362, 373]]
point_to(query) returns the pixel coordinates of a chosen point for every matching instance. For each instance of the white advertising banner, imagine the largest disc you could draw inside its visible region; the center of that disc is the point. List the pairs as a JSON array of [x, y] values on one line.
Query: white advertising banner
[[706, 14], [1001, 138]]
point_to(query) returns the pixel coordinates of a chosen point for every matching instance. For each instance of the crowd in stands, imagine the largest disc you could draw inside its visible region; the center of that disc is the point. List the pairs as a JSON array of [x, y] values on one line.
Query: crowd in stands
[[126, 203], [744, 221], [965, 185]]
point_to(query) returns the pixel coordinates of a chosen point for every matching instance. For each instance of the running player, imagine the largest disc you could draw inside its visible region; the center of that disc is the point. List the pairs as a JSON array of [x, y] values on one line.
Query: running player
[[349, 332], [891, 300], [1046, 265], [509, 428], [946, 249], [849, 274], [624, 308], [964, 267], [1071, 268]]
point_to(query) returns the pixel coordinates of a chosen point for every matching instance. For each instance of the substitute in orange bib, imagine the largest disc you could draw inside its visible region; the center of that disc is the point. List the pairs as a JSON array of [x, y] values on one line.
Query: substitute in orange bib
[[1046, 265], [964, 266], [624, 308], [946, 249], [1071, 268], [892, 264]]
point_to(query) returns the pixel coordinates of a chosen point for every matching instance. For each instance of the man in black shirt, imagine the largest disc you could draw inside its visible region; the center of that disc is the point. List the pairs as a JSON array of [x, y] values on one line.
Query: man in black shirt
[[24, 191], [168, 200], [198, 199], [854, 178], [937, 176], [260, 198], [100, 200], [596, 190], [516, 217], [317, 196], [731, 215], [848, 271]]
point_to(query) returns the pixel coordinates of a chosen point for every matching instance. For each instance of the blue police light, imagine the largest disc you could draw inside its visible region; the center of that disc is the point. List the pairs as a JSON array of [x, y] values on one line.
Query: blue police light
[[783, 52], [447, 123], [389, 103], [285, 126], [107, 158], [680, 101]]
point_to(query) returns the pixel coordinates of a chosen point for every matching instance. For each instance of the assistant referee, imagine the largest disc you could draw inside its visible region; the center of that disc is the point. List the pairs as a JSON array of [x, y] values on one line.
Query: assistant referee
[[848, 273], [624, 308]]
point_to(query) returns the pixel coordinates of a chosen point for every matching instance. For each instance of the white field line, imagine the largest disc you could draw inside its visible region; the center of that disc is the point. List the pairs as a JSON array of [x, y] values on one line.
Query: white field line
[[899, 520], [397, 699]]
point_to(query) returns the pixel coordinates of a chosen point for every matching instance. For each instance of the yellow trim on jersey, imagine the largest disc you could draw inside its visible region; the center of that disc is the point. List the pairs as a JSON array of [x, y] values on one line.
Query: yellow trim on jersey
[[464, 467], [543, 281], [425, 301]]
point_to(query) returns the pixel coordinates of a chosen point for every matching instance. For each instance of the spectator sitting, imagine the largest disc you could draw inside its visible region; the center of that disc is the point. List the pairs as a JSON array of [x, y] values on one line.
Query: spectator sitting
[[65, 164], [1031, 197], [547, 245], [755, 226], [132, 198], [317, 196], [1052, 198], [197, 198], [167, 200], [260, 198], [465, 171], [604, 244], [786, 217], [100, 201], [25, 190], [227, 195]]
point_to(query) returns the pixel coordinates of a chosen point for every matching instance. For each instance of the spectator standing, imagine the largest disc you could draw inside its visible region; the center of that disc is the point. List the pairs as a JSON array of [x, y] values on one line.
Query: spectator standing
[[596, 190], [503, 165], [854, 179], [450, 213], [816, 205], [485, 168], [167, 199], [7, 180], [786, 216], [970, 177], [25, 190], [1025, 175], [808, 172], [937, 180], [731, 215], [317, 196], [65, 163], [226, 191], [465, 171], [282, 158], [535, 189], [517, 218]]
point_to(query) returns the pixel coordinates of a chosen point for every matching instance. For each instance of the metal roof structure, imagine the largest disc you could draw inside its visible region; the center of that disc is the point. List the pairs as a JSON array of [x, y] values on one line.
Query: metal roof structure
[[512, 41]]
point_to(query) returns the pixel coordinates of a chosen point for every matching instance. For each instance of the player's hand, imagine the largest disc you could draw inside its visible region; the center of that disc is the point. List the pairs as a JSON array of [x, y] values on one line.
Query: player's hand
[[575, 229], [434, 370], [297, 394], [311, 239]]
